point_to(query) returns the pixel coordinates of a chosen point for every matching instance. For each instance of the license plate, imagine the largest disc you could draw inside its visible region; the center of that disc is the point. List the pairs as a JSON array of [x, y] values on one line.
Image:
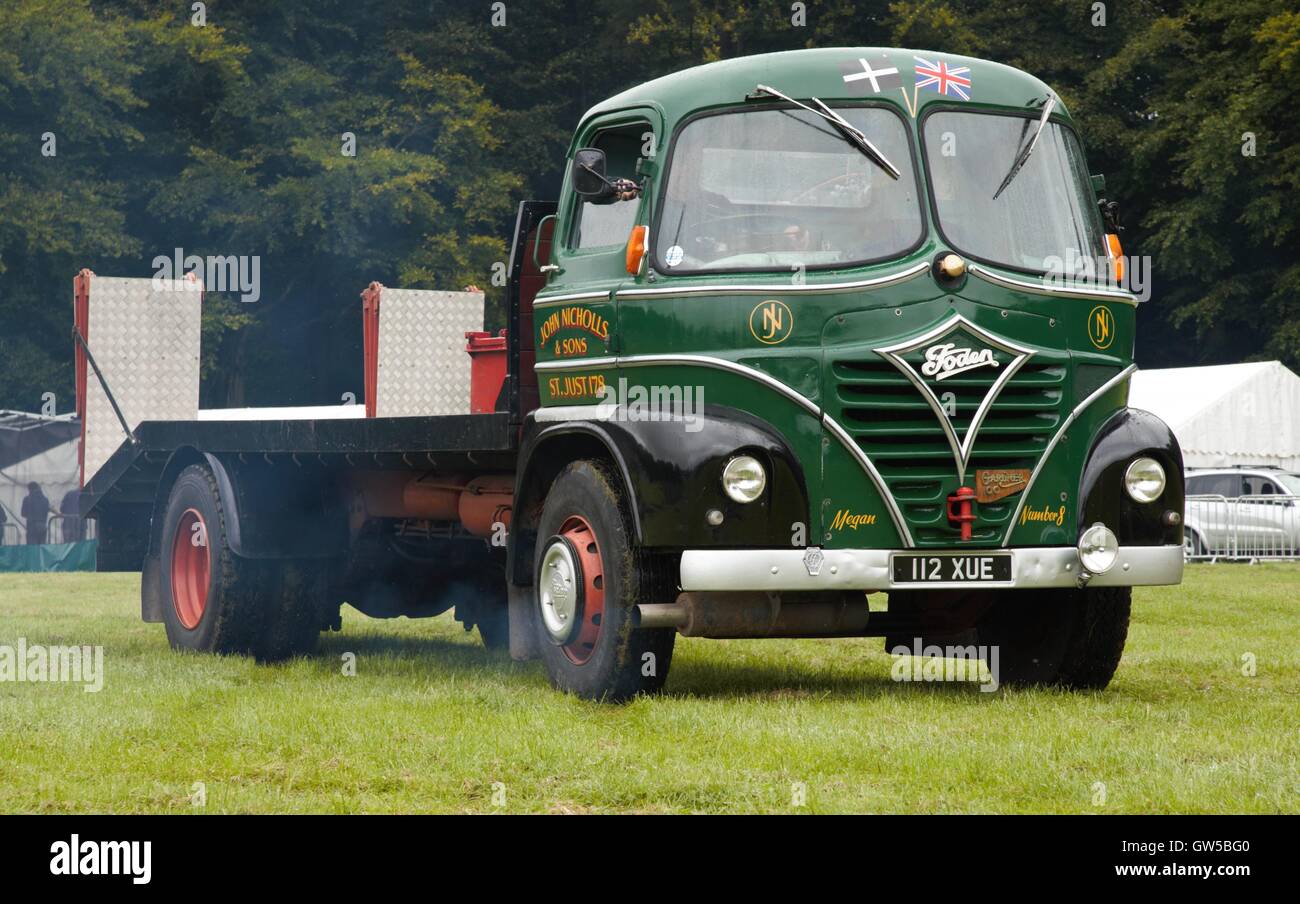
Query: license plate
[[939, 568]]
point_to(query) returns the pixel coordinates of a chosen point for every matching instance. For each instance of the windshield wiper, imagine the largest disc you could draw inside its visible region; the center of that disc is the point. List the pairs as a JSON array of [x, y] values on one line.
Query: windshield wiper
[[852, 133], [1048, 106]]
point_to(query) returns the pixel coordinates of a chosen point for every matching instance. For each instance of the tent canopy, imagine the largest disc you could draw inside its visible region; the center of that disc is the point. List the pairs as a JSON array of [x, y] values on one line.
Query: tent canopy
[[1231, 414], [38, 449]]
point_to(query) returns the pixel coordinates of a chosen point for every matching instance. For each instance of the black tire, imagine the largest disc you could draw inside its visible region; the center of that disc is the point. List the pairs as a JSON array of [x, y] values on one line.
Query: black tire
[[232, 619], [1192, 544], [264, 608], [295, 598], [622, 662], [1062, 638]]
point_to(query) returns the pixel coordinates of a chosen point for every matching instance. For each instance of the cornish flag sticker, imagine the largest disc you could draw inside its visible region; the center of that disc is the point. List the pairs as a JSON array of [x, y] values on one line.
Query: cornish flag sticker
[[863, 76]]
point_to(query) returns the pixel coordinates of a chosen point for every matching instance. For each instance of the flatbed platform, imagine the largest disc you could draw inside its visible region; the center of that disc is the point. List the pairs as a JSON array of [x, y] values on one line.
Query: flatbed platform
[[489, 440]]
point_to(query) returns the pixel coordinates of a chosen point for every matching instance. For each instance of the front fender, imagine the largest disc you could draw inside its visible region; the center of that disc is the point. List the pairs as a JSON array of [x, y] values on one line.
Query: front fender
[[671, 471], [1130, 433]]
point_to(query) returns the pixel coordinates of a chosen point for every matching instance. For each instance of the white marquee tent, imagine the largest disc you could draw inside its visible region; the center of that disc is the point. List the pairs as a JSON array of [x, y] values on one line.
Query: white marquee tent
[[38, 449], [1232, 414]]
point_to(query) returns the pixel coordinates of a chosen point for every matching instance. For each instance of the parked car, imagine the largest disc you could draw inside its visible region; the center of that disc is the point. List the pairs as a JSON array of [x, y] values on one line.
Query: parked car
[[1242, 512]]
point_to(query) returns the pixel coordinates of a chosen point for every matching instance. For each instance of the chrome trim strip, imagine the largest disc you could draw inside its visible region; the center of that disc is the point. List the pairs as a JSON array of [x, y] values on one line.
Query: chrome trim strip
[[772, 383], [558, 413], [961, 450], [700, 360], [878, 282], [576, 363], [1056, 438], [869, 569], [730, 366], [1039, 288], [542, 301], [855, 450]]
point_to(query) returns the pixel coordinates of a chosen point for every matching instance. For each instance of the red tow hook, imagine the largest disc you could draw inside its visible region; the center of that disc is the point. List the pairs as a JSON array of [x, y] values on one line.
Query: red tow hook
[[961, 510]]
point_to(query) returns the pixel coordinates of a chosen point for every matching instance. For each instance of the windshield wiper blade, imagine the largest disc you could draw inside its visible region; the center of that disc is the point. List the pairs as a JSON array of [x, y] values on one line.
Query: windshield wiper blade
[[1048, 106], [852, 133]]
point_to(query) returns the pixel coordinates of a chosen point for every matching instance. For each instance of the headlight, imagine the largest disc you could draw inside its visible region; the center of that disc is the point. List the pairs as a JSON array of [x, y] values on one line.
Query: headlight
[[744, 478], [1098, 549], [1145, 480]]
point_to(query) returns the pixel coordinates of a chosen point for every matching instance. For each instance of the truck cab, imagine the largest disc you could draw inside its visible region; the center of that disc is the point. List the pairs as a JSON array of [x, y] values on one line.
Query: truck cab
[[877, 298]]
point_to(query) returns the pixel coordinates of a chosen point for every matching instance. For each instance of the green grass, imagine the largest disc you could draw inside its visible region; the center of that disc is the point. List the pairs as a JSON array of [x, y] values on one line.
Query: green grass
[[431, 721]]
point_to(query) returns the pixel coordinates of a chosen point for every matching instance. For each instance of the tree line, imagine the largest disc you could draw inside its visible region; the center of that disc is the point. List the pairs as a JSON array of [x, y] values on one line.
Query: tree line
[[131, 128]]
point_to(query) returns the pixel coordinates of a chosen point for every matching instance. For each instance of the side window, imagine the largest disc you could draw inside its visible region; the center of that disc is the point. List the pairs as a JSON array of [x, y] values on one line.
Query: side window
[[604, 225], [1228, 485], [1197, 486], [1260, 486]]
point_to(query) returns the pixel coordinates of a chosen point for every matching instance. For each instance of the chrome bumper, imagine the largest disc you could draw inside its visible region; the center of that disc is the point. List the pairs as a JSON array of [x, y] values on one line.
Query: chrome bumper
[[868, 569]]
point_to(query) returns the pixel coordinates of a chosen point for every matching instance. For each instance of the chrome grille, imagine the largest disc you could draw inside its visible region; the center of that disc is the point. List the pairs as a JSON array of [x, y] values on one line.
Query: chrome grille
[[897, 429]]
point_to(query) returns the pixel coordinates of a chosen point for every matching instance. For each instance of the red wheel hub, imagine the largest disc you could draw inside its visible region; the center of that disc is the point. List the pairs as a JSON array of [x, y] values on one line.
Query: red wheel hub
[[191, 568], [578, 532]]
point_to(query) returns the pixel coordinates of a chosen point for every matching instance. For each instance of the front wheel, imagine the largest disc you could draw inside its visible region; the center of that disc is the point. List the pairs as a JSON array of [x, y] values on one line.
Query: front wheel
[[588, 580], [1063, 638]]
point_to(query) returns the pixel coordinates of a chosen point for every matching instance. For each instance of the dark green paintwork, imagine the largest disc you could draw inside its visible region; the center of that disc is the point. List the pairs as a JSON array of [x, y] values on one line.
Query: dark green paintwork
[[833, 326]]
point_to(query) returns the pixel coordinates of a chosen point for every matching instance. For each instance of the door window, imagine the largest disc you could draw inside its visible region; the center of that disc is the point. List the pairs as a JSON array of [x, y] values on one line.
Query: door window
[[604, 224]]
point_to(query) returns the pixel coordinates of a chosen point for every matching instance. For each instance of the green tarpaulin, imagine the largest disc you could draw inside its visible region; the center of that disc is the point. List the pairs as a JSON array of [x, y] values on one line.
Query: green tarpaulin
[[50, 557]]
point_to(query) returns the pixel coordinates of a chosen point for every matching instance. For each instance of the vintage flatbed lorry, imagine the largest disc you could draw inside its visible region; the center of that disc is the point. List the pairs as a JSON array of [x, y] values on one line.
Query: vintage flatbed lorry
[[800, 328]]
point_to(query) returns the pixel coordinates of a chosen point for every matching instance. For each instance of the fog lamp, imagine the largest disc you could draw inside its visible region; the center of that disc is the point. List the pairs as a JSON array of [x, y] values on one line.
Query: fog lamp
[[1098, 549]]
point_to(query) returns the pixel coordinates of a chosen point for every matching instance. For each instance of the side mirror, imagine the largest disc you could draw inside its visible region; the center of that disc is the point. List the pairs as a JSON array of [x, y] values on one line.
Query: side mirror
[[588, 174]]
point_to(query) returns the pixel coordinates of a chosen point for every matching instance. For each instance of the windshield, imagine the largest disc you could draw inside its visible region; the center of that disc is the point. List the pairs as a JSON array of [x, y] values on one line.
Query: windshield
[[1290, 483], [1044, 220], [778, 189]]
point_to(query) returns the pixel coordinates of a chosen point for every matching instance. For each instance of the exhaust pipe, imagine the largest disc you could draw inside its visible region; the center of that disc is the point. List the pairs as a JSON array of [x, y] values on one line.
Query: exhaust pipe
[[661, 615], [757, 614]]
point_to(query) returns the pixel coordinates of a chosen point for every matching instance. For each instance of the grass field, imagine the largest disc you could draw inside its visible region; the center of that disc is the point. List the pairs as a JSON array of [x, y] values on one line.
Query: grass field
[[432, 722]]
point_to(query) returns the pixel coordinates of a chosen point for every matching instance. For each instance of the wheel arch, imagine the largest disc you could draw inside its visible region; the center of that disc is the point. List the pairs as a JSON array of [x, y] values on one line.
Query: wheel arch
[[544, 456], [1129, 433], [271, 511], [181, 459]]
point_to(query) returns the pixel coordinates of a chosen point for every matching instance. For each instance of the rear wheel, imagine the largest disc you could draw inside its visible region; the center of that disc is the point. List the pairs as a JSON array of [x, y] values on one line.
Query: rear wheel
[[215, 601], [1193, 547], [1062, 638], [588, 580]]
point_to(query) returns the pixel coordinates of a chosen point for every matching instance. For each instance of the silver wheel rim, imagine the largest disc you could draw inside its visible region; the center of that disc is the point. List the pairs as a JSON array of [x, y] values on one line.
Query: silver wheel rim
[[557, 591]]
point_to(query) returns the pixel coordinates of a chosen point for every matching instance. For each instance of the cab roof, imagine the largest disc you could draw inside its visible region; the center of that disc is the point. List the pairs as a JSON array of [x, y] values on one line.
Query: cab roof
[[922, 78]]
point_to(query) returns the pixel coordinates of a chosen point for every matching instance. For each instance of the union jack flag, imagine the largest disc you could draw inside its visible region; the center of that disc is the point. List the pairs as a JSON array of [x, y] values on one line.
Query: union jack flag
[[943, 78]]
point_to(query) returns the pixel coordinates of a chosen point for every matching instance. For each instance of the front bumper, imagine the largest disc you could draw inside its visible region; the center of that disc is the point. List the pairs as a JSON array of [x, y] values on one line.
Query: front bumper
[[869, 569]]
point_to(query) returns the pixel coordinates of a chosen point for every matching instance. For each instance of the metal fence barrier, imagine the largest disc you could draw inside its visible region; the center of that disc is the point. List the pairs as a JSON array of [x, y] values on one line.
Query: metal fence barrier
[[1256, 528], [59, 529], [69, 528]]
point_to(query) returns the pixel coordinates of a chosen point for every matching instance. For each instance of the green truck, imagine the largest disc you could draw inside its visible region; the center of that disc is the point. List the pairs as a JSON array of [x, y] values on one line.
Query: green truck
[[803, 332]]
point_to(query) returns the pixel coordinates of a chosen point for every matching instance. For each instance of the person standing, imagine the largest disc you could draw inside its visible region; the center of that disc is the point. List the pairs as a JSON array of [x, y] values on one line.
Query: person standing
[[70, 509], [36, 511]]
